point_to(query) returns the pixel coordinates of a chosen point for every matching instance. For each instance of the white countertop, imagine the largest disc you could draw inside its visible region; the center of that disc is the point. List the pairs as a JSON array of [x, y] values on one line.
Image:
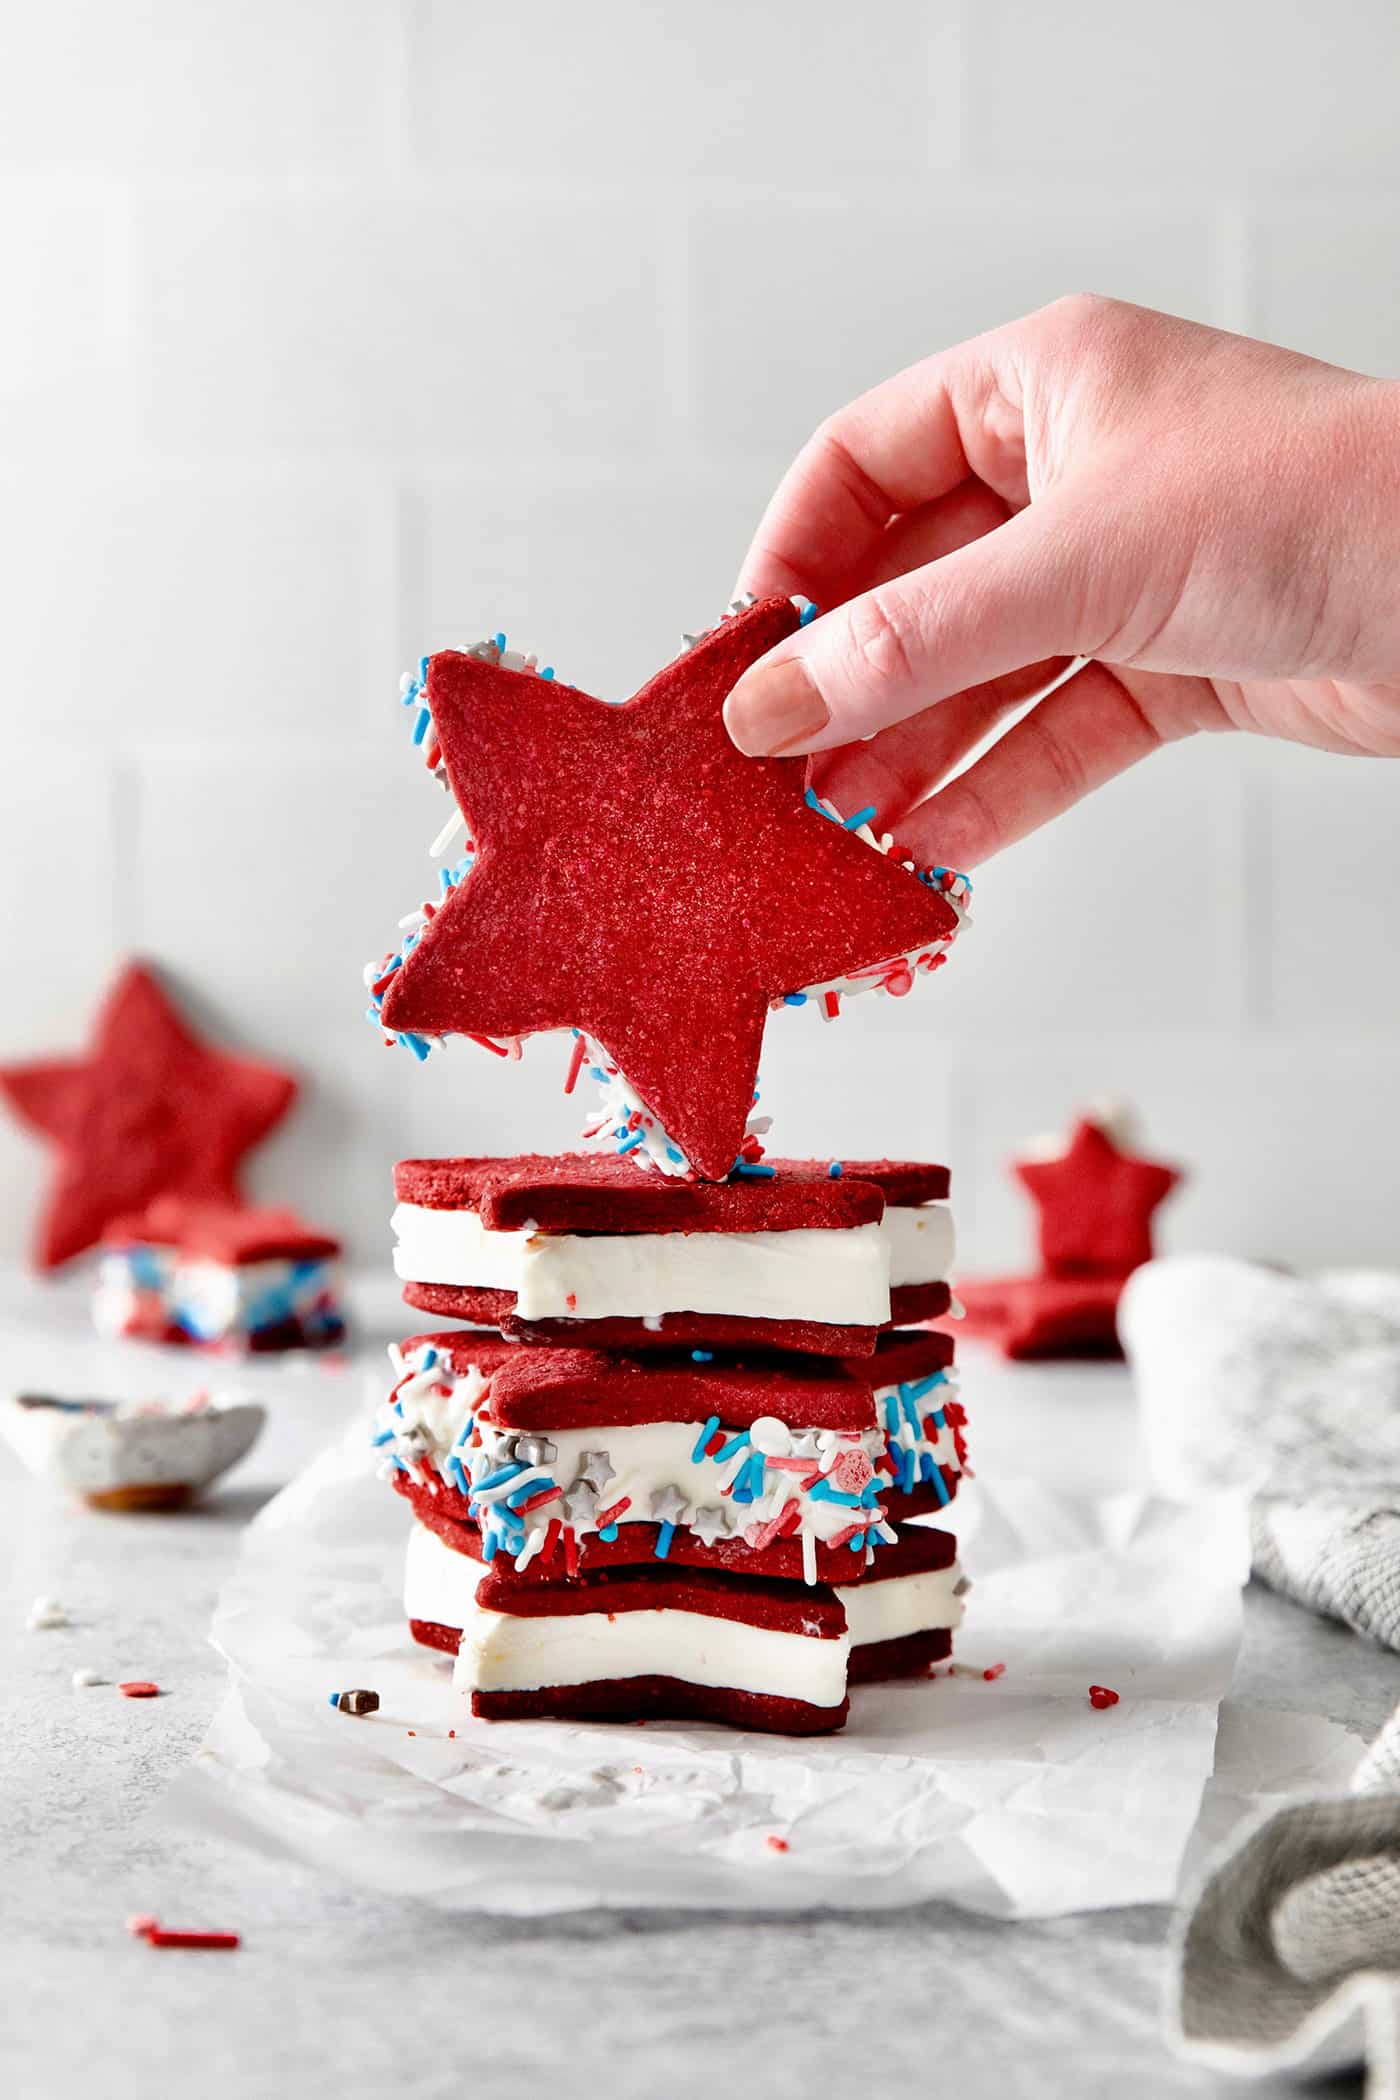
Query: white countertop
[[336, 1990]]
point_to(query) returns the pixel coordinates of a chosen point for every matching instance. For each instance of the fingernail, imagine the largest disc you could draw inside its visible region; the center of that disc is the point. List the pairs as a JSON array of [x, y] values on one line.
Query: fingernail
[[773, 707]]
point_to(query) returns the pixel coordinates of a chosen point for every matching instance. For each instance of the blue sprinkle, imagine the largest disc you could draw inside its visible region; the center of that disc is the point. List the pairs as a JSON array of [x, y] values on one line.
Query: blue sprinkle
[[794, 998], [500, 641], [638, 1137], [420, 727], [702, 1356], [417, 1045], [736, 1443], [835, 1171], [814, 801], [597, 1072], [490, 1541], [385, 1436], [754, 1170], [938, 1481], [910, 1472], [430, 1357], [704, 1437], [856, 1542], [499, 1477], [916, 1389], [862, 816], [663, 1540], [673, 1153], [807, 614], [610, 1534], [548, 671], [892, 1413], [334, 1699]]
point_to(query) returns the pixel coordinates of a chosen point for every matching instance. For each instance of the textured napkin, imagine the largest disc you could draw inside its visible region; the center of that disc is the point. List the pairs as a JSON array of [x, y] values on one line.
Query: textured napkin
[[1291, 1388], [1289, 1957]]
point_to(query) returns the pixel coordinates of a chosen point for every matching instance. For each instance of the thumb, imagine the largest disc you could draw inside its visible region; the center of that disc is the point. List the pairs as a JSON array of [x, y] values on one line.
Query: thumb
[[1011, 598]]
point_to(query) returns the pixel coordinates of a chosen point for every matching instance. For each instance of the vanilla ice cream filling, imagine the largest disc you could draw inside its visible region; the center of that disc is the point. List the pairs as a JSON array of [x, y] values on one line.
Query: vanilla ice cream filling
[[500, 1653], [841, 1278], [900, 1604], [440, 1590]]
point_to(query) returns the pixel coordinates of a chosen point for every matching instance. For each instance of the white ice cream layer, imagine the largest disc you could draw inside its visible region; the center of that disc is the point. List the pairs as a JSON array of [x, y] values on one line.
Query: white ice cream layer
[[504, 1654], [901, 1604], [842, 1278]]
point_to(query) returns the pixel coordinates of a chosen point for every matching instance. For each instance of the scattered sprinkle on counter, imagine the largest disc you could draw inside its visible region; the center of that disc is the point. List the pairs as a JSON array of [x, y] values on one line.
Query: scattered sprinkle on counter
[[139, 1688], [777, 1844], [359, 1701], [1100, 1696]]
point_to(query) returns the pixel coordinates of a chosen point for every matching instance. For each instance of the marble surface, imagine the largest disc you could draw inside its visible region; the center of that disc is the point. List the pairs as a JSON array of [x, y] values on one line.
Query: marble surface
[[339, 1991]]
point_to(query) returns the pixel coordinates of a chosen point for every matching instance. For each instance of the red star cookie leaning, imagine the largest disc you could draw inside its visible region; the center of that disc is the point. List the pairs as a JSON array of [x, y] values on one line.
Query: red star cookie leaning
[[150, 1110], [634, 876]]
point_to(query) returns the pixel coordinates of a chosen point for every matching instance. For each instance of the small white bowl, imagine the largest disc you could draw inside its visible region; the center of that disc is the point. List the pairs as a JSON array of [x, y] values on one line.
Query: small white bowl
[[130, 1455]]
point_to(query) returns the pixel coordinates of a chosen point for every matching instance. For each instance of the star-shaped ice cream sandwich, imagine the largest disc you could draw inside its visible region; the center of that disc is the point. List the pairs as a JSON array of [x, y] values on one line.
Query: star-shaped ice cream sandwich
[[1095, 1197], [148, 1111], [633, 876]]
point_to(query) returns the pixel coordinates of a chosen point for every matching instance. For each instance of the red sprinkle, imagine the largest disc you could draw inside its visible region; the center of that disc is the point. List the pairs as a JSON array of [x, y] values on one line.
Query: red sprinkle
[[777, 1844], [142, 1923], [161, 1938], [832, 1003], [551, 1539], [613, 1511], [997, 1670], [547, 1493], [576, 1058], [1100, 1696], [139, 1688], [570, 1549]]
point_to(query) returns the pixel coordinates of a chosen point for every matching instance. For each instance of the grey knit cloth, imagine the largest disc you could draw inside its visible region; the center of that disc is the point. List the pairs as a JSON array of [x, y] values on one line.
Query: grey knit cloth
[[1289, 1958], [1290, 1387]]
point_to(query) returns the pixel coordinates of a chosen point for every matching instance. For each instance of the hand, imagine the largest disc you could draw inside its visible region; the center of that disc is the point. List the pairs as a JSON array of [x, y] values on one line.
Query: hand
[[1216, 522]]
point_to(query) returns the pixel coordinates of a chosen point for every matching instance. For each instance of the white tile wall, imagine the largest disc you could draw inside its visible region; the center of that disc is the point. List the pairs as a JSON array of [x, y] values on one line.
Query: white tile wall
[[340, 330]]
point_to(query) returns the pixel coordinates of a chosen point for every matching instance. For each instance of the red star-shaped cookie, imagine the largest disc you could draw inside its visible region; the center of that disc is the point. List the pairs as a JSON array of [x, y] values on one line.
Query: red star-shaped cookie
[[148, 1111], [637, 878], [1095, 1201]]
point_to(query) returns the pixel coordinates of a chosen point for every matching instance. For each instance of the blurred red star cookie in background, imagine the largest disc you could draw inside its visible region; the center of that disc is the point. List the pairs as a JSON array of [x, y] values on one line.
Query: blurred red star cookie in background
[[1095, 1198], [148, 1110]]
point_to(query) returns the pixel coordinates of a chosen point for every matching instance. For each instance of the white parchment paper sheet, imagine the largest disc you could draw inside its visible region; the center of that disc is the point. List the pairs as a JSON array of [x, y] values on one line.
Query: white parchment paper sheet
[[1013, 1798]]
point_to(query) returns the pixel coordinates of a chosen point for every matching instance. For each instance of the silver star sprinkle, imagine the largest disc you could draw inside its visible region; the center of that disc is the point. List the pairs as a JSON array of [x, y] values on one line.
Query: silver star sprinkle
[[668, 1505], [580, 1503], [709, 1524], [535, 1450], [597, 1469]]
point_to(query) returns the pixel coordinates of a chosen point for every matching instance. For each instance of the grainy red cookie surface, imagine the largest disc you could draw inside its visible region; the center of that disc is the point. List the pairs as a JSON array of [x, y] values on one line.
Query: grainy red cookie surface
[[148, 1110], [637, 877], [910, 1655], [661, 1699], [598, 1192], [1031, 1318], [223, 1232], [1095, 1204], [740, 1599]]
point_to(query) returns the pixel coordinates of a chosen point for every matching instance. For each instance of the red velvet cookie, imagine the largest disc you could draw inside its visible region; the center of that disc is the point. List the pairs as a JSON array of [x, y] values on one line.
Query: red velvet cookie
[[221, 1232], [588, 1192], [149, 1110], [633, 875]]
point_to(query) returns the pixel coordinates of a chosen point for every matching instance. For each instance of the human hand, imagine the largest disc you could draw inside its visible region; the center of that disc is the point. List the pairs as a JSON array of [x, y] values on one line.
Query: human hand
[[1214, 521]]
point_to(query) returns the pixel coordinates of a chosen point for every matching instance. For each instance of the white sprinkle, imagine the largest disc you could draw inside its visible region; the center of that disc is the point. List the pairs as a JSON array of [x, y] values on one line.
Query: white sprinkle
[[85, 1678], [449, 832], [46, 1613]]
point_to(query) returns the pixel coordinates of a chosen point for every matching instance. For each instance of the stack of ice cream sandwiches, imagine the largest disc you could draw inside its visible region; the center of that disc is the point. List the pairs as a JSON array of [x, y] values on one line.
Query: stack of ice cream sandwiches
[[671, 1462]]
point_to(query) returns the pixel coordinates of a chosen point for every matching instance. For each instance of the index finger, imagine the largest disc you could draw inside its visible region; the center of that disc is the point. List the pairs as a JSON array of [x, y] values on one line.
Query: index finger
[[907, 442]]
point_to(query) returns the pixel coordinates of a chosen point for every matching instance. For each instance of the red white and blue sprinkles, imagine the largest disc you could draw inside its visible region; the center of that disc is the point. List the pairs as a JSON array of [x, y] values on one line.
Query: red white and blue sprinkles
[[771, 1482]]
